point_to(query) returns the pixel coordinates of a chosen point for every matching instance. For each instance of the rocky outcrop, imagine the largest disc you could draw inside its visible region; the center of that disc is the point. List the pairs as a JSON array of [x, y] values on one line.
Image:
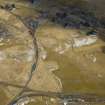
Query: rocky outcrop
[[79, 42]]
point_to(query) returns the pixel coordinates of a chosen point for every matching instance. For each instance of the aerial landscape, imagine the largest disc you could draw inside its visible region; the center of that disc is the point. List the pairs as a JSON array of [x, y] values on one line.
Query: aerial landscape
[[52, 52]]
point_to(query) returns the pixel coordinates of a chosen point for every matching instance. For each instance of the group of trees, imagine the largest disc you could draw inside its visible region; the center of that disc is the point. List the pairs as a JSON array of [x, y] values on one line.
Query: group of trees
[[72, 2]]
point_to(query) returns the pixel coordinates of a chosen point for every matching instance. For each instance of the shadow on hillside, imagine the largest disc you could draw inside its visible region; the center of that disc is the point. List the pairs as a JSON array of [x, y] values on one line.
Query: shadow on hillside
[[73, 16]]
